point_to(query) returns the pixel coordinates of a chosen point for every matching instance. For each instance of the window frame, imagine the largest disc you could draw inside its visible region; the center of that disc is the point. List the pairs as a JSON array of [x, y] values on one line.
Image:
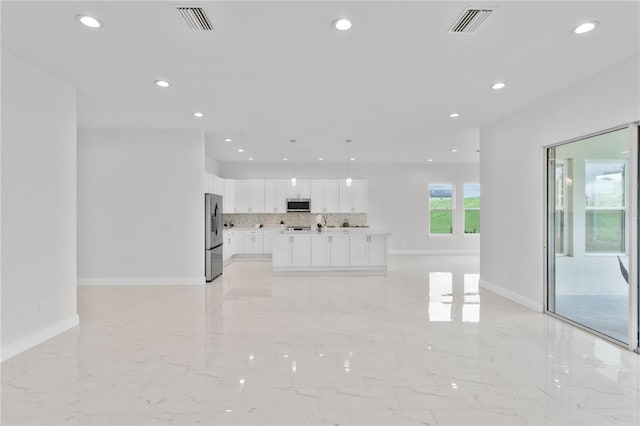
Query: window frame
[[453, 210], [624, 209], [464, 210], [565, 188]]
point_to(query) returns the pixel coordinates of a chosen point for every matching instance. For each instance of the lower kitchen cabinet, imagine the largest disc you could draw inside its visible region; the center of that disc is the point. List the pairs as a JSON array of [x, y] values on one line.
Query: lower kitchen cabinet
[[320, 250], [358, 250], [282, 251], [330, 251], [377, 250], [237, 243], [253, 243], [300, 250], [267, 247], [339, 250], [227, 246], [368, 250]]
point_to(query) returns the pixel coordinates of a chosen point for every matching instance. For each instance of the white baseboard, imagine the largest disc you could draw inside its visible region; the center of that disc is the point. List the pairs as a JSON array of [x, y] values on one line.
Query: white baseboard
[[143, 281], [34, 339], [439, 252], [514, 297]]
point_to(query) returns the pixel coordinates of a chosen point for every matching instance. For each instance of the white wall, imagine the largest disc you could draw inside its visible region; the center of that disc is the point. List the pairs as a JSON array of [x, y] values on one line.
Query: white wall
[[211, 165], [512, 168], [398, 197], [140, 207], [38, 206]]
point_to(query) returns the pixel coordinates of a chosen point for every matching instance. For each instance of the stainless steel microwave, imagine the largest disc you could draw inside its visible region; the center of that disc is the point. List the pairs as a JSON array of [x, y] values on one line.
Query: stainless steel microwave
[[298, 205]]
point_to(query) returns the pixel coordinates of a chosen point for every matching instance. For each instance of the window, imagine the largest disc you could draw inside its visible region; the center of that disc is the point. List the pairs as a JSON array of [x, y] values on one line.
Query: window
[[605, 206], [471, 208], [441, 206]]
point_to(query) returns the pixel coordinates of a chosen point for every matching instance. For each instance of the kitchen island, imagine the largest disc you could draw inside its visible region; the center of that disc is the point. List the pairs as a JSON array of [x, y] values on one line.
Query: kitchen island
[[333, 249]]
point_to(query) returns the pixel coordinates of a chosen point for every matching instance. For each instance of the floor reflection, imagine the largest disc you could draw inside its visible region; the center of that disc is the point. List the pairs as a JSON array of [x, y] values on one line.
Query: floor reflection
[[446, 299]]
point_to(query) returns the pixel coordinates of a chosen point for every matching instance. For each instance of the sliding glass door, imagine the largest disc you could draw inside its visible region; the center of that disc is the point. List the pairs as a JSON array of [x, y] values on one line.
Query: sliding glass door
[[588, 217]]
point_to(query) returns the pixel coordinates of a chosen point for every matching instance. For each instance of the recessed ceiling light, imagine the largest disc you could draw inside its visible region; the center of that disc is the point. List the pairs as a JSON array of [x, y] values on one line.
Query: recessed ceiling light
[[89, 21], [227, 140], [198, 114], [454, 115], [454, 150], [240, 150], [342, 24], [430, 160], [352, 159], [585, 28], [320, 159], [162, 83], [285, 159], [498, 85], [250, 158]]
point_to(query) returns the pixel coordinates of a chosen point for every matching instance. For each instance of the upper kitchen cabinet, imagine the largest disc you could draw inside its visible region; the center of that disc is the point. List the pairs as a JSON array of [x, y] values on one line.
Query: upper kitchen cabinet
[[229, 196], [275, 196], [318, 204], [213, 184], [360, 196], [325, 196], [250, 196], [217, 185], [354, 198], [301, 190]]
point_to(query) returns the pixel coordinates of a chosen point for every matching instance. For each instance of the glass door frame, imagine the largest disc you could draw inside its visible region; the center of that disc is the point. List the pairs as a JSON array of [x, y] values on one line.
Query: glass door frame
[[631, 237]]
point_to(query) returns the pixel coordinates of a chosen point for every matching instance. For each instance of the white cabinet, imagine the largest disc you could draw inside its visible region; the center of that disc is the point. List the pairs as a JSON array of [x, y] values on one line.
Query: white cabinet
[[339, 250], [281, 250], [243, 196], [331, 196], [325, 196], [250, 196], [360, 196], [227, 246], [229, 197], [301, 190], [301, 250], [320, 250], [267, 245], [358, 250], [275, 196], [213, 184], [291, 250], [330, 250], [354, 198], [237, 243], [346, 198], [377, 250], [253, 242], [318, 204], [368, 250]]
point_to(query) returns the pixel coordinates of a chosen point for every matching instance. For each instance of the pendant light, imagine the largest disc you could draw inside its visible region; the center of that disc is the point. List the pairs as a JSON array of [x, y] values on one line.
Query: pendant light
[[348, 181], [293, 166]]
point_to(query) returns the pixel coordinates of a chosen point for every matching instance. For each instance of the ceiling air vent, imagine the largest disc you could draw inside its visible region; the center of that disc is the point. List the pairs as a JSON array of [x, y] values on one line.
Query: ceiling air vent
[[195, 18], [471, 19]]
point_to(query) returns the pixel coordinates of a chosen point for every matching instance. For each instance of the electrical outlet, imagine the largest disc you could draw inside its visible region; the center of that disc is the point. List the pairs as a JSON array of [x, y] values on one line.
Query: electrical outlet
[[43, 305]]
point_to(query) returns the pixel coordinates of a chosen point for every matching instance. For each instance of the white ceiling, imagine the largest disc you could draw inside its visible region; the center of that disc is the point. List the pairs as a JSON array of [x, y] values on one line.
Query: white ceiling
[[273, 71]]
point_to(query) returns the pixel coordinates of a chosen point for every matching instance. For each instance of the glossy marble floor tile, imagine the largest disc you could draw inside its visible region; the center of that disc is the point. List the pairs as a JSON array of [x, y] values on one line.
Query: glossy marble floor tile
[[422, 345]]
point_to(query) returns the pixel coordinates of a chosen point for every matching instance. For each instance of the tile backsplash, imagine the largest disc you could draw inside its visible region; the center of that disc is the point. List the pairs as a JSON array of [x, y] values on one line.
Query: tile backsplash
[[293, 219]]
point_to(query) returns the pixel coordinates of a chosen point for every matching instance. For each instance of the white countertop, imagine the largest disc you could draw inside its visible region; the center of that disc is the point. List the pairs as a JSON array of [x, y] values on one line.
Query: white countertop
[[339, 231], [326, 231]]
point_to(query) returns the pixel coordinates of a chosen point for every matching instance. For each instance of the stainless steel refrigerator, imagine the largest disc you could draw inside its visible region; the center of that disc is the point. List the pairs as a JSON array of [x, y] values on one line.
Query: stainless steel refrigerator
[[213, 236]]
